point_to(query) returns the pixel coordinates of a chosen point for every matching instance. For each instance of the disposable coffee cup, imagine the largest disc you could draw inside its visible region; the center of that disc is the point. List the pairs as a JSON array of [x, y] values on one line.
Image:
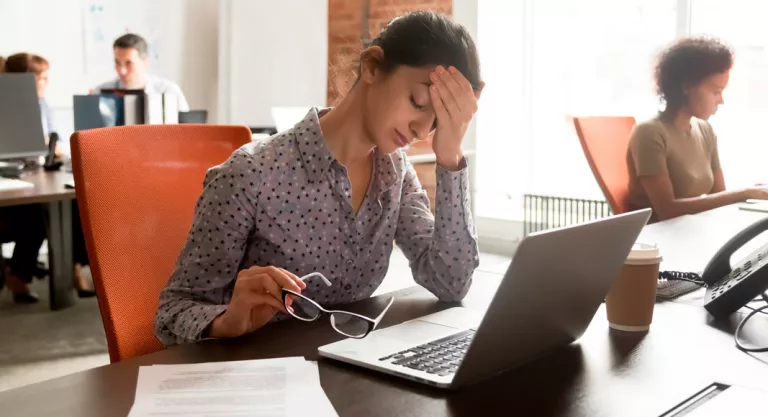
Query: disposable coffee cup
[[631, 299]]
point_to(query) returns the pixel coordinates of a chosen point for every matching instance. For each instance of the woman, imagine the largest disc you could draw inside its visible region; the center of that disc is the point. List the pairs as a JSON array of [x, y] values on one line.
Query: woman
[[673, 158], [24, 226], [23, 63], [331, 194]]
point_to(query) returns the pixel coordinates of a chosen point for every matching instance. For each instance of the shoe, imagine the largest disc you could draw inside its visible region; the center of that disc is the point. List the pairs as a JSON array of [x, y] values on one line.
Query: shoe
[[86, 293], [21, 292], [26, 298], [41, 272], [81, 282]]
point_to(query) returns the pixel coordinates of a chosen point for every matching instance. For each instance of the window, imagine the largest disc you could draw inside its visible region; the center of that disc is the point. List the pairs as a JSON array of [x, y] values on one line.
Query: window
[[740, 123], [546, 60]]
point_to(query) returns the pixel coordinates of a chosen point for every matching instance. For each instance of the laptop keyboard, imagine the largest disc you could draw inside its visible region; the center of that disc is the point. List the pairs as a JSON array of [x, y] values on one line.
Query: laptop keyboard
[[440, 357]]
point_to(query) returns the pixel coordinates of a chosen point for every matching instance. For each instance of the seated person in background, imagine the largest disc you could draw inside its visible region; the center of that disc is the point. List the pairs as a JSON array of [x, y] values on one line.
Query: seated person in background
[[21, 63], [131, 63], [673, 158], [331, 194]]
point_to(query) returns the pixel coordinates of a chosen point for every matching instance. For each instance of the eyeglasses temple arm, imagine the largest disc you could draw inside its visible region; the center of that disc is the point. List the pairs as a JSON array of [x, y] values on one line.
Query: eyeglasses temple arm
[[316, 274], [381, 315]]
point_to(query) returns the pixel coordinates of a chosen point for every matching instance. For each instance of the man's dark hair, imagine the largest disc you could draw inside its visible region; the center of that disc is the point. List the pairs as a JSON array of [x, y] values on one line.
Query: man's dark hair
[[132, 41], [686, 63]]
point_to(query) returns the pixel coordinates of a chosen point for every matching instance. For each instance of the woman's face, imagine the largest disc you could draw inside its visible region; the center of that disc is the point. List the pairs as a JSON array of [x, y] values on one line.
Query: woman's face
[[705, 97], [398, 108], [42, 83]]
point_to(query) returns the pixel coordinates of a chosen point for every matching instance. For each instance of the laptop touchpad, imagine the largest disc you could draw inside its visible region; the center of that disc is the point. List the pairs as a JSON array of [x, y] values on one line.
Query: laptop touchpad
[[416, 331]]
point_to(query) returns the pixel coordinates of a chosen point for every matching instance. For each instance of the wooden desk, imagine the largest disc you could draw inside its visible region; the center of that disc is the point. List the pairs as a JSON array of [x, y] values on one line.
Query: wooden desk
[[604, 374], [51, 191]]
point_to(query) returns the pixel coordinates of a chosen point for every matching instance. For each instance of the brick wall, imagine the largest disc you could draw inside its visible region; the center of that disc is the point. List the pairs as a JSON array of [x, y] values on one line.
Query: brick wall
[[345, 31]]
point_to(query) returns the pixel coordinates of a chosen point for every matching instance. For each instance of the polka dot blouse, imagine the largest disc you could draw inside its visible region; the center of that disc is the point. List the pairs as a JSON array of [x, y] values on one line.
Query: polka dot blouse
[[285, 201]]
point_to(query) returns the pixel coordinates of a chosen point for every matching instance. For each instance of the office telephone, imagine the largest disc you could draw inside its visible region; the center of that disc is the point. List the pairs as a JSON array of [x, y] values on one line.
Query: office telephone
[[730, 288]]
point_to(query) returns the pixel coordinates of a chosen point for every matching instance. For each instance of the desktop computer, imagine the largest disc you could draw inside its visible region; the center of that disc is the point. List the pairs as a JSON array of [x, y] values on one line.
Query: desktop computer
[[21, 128]]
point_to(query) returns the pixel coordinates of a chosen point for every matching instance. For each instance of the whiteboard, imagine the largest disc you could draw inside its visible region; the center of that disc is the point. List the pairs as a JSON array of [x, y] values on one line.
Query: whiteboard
[[271, 54], [76, 36]]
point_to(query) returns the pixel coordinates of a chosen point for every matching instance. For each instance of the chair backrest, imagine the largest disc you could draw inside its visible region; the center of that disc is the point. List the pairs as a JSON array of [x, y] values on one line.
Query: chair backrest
[[136, 188], [605, 141]]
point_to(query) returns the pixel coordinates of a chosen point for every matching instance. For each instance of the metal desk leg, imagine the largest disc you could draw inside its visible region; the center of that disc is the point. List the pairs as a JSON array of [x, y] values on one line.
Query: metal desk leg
[[60, 254]]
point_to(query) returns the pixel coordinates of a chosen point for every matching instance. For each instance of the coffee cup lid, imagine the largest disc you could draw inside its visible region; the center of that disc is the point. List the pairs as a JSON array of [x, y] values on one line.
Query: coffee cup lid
[[644, 254]]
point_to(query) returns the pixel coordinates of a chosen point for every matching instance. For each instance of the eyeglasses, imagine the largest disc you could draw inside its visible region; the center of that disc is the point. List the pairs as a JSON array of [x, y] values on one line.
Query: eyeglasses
[[347, 323]]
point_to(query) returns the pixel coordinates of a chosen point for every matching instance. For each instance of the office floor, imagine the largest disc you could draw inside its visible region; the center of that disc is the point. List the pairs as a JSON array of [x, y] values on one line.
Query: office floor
[[37, 344]]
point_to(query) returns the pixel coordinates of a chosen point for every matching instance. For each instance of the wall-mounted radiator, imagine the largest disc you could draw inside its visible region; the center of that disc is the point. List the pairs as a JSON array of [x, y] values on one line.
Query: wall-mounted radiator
[[545, 212]]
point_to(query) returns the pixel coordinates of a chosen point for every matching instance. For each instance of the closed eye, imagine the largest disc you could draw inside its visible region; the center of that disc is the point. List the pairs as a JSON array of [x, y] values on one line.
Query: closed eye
[[416, 105]]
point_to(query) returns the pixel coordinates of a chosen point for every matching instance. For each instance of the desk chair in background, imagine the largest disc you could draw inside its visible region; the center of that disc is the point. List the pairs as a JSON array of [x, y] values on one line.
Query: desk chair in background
[[605, 142], [137, 187]]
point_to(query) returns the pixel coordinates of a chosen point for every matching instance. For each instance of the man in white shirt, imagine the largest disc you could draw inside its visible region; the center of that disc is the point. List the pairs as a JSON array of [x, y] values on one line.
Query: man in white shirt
[[130, 51]]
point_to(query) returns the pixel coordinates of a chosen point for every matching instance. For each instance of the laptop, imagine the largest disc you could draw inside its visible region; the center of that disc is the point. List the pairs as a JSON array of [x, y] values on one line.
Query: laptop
[[554, 285]]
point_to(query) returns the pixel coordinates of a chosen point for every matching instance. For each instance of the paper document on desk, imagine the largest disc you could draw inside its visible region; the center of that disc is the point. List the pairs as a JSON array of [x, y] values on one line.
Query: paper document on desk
[[271, 387], [7, 184]]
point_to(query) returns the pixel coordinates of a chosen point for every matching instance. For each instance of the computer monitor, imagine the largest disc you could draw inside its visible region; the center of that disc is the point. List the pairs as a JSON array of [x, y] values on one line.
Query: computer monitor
[[21, 126], [193, 116], [121, 91]]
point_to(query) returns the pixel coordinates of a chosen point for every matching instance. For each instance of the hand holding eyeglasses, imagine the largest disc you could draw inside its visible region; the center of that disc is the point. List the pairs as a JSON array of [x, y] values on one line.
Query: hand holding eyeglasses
[[257, 297], [345, 322]]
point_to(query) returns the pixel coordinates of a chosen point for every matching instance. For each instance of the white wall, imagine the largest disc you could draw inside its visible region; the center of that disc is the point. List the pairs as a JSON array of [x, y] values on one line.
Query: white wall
[[273, 53], [199, 74]]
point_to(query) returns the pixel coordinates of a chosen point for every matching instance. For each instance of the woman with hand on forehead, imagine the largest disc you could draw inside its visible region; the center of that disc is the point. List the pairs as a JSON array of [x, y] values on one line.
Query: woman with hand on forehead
[[332, 194]]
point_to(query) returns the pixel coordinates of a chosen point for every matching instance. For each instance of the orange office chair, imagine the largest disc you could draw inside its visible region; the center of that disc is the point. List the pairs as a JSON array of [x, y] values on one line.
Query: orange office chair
[[605, 141], [136, 188]]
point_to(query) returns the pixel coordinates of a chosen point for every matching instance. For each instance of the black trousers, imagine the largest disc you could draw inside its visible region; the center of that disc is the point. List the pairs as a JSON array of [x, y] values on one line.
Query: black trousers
[[79, 254], [24, 225]]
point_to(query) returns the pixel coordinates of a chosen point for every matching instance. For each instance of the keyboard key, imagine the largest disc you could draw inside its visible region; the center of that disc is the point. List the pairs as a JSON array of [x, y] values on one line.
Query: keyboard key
[[436, 356]]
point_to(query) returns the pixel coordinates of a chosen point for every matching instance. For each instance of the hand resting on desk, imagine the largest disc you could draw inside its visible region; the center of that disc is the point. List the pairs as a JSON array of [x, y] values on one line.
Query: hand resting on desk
[[257, 297], [757, 192]]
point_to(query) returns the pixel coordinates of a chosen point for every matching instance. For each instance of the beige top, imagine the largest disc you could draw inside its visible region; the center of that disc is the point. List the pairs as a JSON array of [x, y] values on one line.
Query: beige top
[[690, 159]]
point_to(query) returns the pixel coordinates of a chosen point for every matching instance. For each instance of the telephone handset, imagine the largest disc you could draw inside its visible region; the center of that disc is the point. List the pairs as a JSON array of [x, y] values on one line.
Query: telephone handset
[[732, 287], [51, 164]]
